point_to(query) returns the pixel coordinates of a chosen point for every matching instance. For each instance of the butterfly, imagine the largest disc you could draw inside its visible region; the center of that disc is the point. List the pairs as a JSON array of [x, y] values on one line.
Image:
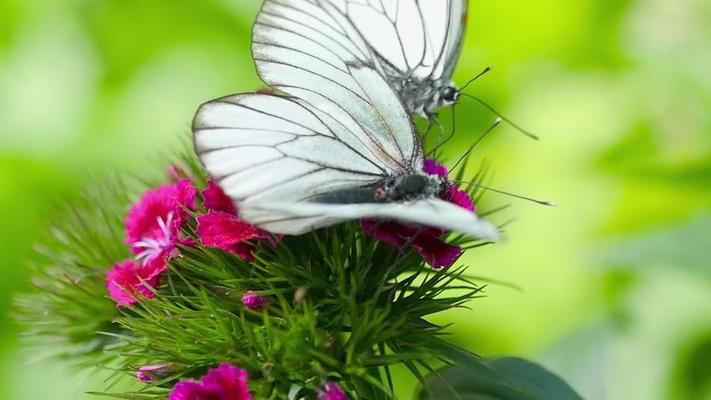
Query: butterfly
[[333, 150], [414, 44]]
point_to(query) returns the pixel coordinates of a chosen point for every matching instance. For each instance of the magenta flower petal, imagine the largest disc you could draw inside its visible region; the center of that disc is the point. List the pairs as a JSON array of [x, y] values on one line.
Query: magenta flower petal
[[126, 282], [192, 390], [332, 391], [460, 198], [233, 381], [228, 232], [215, 199], [435, 251], [253, 301], [387, 231], [225, 382], [159, 214], [427, 241], [432, 167]]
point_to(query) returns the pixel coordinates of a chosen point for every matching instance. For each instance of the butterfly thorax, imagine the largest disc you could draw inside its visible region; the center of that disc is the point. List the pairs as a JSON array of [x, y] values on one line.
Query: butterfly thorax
[[425, 96], [409, 187]]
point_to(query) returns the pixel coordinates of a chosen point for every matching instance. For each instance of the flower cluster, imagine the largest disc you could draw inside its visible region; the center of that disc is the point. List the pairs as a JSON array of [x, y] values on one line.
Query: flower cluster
[[177, 215], [154, 228]]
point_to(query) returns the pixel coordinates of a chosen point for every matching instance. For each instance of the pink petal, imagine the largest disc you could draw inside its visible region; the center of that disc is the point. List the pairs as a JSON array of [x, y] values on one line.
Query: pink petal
[[225, 382], [332, 391], [432, 167], [192, 390], [126, 282], [253, 301], [233, 381], [142, 220], [228, 232], [460, 198], [215, 199], [435, 251]]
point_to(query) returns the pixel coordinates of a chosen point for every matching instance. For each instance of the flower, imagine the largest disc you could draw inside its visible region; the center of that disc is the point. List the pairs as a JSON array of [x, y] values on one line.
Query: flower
[[426, 240], [253, 301], [432, 167], [127, 281], [215, 199], [228, 232], [460, 198], [225, 382], [149, 373], [222, 228], [153, 223], [332, 391]]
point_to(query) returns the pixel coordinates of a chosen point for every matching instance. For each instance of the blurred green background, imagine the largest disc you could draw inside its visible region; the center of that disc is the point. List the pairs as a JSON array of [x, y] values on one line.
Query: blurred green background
[[615, 281]]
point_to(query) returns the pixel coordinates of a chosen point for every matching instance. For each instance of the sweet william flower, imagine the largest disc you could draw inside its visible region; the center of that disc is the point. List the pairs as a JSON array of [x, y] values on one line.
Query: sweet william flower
[[226, 382], [128, 281], [153, 223], [222, 228], [215, 199], [253, 301], [427, 241], [228, 232], [332, 391]]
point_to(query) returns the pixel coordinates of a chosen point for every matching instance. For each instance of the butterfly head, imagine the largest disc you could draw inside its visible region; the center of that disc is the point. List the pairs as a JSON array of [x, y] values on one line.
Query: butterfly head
[[449, 95]]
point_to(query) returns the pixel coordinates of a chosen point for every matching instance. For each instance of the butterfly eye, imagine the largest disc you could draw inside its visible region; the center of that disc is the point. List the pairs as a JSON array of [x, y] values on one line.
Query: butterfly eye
[[450, 94]]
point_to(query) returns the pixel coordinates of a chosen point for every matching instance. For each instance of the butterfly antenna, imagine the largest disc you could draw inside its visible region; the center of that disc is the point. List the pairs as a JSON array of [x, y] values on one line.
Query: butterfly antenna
[[482, 73], [476, 143], [507, 120], [448, 138], [517, 196]]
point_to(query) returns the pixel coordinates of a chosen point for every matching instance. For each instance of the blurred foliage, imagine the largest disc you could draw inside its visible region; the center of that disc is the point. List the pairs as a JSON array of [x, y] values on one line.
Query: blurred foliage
[[615, 280]]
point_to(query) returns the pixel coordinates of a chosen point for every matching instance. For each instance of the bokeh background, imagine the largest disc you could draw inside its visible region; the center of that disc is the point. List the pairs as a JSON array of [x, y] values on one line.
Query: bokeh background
[[615, 282]]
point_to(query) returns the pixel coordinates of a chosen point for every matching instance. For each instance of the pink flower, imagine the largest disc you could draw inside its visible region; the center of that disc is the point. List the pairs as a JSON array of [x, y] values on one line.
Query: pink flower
[[432, 167], [150, 373], [460, 198], [153, 223], [222, 228], [215, 199], [228, 232], [332, 391], [253, 301], [427, 241], [225, 382], [128, 281]]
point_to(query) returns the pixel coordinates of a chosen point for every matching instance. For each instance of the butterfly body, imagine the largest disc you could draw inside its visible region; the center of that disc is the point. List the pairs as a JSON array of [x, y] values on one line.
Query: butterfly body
[[401, 188]]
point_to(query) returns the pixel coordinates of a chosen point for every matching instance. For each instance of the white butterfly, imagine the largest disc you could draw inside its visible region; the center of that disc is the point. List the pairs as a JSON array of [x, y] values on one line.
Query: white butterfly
[[414, 44], [341, 149]]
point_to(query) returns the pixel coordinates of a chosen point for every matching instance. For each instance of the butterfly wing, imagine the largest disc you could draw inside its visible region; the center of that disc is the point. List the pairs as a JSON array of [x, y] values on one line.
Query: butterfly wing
[[265, 149], [429, 212], [413, 38], [401, 38]]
